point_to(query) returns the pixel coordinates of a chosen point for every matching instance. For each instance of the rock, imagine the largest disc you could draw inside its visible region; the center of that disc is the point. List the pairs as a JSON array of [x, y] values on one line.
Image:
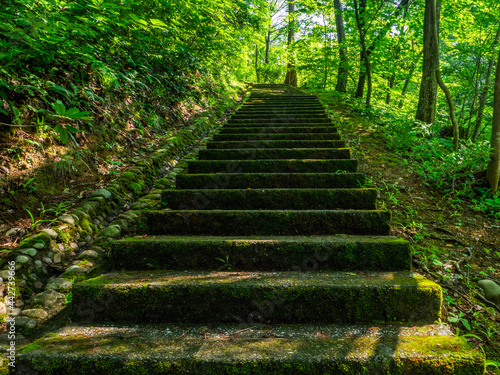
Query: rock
[[59, 284], [39, 264], [76, 218], [46, 260], [89, 255], [67, 219], [3, 308], [73, 245], [29, 251], [22, 259], [491, 290], [101, 193], [23, 321], [39, 245], [19, 303], [4, 274], [113, 231], [75, 270], [13, 232], [51, 232], [49, 298], [38, 285], [57, 258], [38, 314]]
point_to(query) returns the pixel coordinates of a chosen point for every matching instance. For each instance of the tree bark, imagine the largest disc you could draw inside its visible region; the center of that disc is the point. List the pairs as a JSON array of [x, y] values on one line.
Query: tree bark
[[291, 73], [451, 107], [257, 63], [494, 164], [484, 94], [365, 55], [426, 110], [343, 71], [390, 87]]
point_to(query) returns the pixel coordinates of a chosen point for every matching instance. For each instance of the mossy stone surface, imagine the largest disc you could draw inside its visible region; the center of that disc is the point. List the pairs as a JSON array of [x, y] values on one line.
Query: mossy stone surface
[[272, 199], [258, 297], [269, 180], [273, 166], [267, 222], [263, 253], [259, 350], [276, 153], [257, 136], [275, 144], [278, 129]]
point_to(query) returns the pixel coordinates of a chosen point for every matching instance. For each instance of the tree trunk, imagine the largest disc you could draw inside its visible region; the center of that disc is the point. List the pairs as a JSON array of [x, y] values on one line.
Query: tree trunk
[[266, 56], [291, 73], [408, 79], [343, 72], [484, 94], [390, 86], [451, 106], [426, 110], [494, 164], [257, 63], [365, 54]]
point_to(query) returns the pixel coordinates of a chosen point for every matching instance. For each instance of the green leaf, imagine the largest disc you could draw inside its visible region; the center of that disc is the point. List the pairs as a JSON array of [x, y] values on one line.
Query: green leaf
[[63, 133]]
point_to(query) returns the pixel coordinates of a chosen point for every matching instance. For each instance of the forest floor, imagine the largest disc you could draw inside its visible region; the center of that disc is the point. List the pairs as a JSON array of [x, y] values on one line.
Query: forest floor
[[452, 244]]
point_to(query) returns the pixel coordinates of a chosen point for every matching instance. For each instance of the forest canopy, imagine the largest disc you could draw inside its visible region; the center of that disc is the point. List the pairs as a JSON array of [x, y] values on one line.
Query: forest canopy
[[65, 63]]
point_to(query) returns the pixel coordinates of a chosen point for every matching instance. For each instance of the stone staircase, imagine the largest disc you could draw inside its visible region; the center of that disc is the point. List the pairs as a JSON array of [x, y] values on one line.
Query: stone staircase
[[269, 258]]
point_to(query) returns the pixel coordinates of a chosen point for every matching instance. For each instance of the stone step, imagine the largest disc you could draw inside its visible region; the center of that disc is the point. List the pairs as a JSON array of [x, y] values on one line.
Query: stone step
[[255, 109], [250, 349], [280, 119], [260, 125], [265, 222], [270, 199], [280, 114], [270, 136], [278, 129], [272, 166], [269, 180], [235, 297], [274, 253], [275, 144], [275, 153]]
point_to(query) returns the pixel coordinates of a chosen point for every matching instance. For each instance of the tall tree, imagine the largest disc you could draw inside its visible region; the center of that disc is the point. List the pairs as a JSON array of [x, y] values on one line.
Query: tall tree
[[364, 52], [493, 171], [343, 71], [427, 99], [291, 72], [484, 93]]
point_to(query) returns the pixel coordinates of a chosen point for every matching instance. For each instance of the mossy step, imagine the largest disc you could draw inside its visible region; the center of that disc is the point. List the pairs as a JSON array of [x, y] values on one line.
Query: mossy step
[[280, 114], [259, 125], [266, 222], [269, 136], [276, 253], [275, 153], [278, 109], [269, 180], [234, 349], [270, 199], [281, 119], [278, 129], [232, 297], [272, 166], [275, 144]]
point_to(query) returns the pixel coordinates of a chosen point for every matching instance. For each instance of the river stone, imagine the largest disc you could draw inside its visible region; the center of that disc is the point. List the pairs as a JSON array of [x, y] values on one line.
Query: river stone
[[49, 298], [67, 219], [29, 251], [4, 274], [59, 284], [3, 308], [101, 193], [22, 322], [46, 260], [89, 254], [112, 231], [22, 259], [13, 231], [75, 270], [38, 314], [39, 245], [57, 258], [51, 232], [491, 290], [39, 264]]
